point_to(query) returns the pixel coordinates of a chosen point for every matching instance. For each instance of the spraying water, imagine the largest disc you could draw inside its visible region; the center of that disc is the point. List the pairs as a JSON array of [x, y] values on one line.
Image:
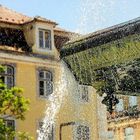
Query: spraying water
[[63, 87], [96, 14]]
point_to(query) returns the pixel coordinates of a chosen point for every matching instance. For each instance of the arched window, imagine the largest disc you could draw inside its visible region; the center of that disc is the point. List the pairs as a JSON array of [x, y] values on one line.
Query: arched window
[[45, 83], [8, 76]]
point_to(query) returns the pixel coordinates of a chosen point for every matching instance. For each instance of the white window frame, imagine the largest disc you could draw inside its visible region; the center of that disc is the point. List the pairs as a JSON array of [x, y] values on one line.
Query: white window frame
[[44, 41], [46, 94], [7, 75]]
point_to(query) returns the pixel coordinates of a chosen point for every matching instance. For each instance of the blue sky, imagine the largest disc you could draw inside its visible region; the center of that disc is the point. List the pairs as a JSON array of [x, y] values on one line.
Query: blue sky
[[79, 15]]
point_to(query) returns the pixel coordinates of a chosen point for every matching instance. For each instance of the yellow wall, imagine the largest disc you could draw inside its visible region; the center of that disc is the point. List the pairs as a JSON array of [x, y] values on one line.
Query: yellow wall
[[72, 110]]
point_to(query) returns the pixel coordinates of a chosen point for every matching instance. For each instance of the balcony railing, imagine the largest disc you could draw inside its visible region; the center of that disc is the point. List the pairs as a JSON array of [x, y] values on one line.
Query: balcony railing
[[129, 113]]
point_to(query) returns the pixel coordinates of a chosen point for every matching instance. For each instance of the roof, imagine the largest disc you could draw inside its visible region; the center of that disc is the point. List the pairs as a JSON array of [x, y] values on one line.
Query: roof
[[10, 16], [101, 37]]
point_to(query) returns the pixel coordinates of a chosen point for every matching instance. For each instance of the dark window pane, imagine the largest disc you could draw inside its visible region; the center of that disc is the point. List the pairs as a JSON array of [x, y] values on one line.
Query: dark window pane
[[41, 84], [41, 43], [41, 87], [41, 91], [10, 70], [2, 79], [10, 81], [41, 74]]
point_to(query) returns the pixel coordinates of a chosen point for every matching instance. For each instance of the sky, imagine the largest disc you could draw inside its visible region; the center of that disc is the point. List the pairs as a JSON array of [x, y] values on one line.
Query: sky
[[83, 16]]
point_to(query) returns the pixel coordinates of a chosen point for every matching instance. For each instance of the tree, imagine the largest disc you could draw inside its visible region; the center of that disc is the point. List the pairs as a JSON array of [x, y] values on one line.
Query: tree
[[12, 104]]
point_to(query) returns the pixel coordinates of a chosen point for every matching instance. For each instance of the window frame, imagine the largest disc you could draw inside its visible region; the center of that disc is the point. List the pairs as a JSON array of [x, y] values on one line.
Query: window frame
[[10, 119], [81, 89], [5, 74], [81, 124], [44, 41], [6, 121], [38, 82], [52, 129]]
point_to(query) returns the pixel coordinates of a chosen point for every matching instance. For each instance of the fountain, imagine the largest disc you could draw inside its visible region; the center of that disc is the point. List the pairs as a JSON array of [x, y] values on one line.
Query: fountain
[[108, 60]]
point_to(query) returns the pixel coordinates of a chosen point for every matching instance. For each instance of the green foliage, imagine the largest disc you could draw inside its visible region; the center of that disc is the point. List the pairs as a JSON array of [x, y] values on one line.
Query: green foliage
[[12, 104], [24, 136], [6, 132]]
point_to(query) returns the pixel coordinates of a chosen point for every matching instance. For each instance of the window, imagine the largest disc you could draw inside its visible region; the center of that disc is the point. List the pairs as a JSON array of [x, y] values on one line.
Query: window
[[120, 106], [8, 76], [83, 93], [110, 135], [132, 101], [45, 83], [82, 133], [129, 133], [45, 39], [10, 124], [48, 132]]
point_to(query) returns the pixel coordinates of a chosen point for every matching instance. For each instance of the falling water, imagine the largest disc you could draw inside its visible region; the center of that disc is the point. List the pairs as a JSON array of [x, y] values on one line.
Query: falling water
[[97, 14], [63, 87], [56, 100]]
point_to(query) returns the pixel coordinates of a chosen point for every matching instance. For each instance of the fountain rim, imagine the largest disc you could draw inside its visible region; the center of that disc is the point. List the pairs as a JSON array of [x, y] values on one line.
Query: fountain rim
[[101, 37]]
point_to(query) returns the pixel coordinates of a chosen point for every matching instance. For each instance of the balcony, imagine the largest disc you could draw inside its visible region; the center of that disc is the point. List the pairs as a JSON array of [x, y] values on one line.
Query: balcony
[[129, 113]]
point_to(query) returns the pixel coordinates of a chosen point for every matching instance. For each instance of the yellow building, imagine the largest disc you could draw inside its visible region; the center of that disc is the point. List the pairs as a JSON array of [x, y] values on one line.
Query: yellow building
[[29, 48]]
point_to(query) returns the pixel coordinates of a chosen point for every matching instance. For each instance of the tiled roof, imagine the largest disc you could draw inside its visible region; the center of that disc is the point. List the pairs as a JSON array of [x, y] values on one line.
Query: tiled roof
[[10, 16]]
